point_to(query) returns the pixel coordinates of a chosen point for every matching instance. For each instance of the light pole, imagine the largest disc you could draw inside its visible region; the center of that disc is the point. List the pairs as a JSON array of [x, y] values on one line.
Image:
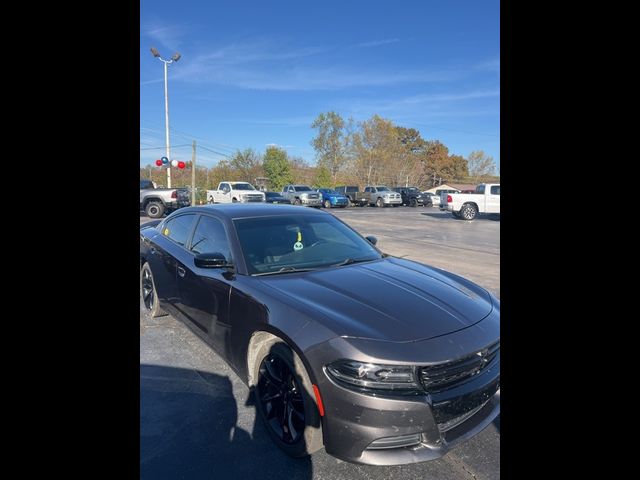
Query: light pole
[[176, 56]]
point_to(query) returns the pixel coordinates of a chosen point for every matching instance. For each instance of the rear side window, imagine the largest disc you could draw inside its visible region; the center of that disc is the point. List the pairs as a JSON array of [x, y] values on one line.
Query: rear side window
[[145, 184], [210, 237], [177, 229], [495, 190]]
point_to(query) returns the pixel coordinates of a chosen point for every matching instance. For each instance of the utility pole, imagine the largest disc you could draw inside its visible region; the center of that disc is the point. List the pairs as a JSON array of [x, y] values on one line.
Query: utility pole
[[193, 174]]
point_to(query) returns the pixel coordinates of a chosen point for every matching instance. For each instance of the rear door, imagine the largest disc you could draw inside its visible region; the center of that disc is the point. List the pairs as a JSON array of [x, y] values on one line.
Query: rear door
[[164, 251]]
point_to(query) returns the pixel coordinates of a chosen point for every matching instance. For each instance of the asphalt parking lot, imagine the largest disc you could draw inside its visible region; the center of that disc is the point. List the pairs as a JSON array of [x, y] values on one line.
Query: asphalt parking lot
[[197, 419]]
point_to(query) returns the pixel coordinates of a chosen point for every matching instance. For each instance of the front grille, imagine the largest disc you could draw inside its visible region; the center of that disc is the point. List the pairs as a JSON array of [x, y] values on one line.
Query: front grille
[[313, 196], [441, 376], [253, 198]]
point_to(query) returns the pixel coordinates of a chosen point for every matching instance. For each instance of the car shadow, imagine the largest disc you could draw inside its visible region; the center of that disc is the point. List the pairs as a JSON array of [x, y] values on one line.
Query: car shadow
[[189, 428], [448, 215]]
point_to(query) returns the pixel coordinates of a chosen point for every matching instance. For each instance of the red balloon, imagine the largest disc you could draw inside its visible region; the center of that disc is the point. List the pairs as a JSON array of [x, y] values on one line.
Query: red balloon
[[159, 163], [181, 164]]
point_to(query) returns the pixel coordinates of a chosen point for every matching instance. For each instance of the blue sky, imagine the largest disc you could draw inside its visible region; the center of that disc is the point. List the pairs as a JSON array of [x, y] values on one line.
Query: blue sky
[[257, 73]]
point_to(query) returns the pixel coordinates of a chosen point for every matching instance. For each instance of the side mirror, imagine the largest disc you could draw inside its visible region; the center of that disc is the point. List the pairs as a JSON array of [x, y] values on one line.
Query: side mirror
[[372, 240], [211, 260]]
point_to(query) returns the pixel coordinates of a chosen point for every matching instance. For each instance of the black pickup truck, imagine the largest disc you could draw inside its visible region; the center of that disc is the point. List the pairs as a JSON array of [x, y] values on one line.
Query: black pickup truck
[[413, 197]]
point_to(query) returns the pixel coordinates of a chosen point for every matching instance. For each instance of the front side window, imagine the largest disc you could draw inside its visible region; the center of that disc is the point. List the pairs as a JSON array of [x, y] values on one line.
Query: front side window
[[178, 228], [210, 237], [480, 189]]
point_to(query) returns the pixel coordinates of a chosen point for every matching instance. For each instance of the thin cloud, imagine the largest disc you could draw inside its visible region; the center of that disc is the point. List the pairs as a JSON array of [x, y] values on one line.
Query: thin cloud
[[304, 78], [377, 43], [168, 36]]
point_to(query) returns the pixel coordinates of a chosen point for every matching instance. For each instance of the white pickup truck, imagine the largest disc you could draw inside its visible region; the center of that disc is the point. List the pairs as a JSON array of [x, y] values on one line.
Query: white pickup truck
[[486, 199], [235, 192]]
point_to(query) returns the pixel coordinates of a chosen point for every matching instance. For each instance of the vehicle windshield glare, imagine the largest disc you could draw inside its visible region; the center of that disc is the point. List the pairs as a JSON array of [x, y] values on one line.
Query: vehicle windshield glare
[[383, 189], [242, 186], [329, 191], [302, 188], [300, 241]]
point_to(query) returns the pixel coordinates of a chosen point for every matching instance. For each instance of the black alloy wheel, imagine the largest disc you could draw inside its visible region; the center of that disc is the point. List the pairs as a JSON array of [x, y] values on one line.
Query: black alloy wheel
[[148, 290], [281, 399]]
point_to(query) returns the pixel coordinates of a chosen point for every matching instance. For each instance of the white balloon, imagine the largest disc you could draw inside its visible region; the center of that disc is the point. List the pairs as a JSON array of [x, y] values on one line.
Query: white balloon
[[174, 163]]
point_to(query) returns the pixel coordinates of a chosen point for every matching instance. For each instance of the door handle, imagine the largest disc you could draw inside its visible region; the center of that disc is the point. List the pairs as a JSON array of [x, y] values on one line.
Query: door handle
[[181, 271], [153, 251]]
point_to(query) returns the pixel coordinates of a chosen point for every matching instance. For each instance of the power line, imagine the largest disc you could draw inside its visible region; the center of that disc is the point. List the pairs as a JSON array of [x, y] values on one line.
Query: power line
[[172, 146]]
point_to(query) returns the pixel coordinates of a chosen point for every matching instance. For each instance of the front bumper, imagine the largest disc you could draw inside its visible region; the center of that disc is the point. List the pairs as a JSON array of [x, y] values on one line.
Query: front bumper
[[338, 202], [392, 201], [311, 202], [393, 430]]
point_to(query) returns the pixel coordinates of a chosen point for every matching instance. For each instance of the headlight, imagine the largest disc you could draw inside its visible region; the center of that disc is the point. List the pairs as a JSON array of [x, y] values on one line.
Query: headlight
[[372, 376]]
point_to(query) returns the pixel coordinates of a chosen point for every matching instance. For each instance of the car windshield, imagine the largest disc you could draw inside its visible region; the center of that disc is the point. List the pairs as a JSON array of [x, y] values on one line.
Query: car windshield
[[302, 188], [383, 189], [242, 186], [280, 243], [328, 191], [413, 190]]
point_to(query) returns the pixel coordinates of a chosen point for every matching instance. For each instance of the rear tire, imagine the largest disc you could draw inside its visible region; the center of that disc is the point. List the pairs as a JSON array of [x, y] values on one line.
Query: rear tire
[[149, 304], [468, 211], [274, 359], [154, 209]]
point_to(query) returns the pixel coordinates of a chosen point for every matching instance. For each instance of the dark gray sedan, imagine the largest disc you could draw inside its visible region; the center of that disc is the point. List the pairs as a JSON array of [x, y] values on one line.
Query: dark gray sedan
[[378, 359]]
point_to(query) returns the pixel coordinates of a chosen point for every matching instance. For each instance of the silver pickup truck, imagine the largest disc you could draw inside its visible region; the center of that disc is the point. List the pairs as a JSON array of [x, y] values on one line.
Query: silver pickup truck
[[381, 196], [302, 195], [155, 202]]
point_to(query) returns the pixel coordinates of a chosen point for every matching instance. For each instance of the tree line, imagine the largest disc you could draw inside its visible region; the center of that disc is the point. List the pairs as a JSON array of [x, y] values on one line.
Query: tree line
[[373, 151]]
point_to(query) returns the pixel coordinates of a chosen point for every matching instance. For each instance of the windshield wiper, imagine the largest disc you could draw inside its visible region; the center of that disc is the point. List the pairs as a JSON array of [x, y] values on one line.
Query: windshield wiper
[[349, 261], [287, 269]]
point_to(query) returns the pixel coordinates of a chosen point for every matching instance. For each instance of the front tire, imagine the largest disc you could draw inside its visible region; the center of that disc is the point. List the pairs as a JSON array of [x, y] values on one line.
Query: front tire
[[379, 203], [285, 400], [297, 201], [468, 211], [413, 202], [327, 204], [349, 202], [149, 304], [154, 209]]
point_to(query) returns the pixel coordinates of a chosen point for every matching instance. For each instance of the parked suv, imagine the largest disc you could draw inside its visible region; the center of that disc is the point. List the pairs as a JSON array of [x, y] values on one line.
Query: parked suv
[[413, 197]]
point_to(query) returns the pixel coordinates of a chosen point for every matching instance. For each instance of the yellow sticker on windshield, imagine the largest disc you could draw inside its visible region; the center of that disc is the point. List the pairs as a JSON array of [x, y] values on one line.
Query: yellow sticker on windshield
[[166, 231], [298, 245]]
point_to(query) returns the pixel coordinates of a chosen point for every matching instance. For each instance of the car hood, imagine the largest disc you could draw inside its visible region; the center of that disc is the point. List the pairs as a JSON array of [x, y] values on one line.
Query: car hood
[[392, 299]]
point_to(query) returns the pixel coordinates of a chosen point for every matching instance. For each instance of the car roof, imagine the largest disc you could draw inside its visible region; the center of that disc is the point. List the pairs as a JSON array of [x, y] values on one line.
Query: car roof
[[241, 210]]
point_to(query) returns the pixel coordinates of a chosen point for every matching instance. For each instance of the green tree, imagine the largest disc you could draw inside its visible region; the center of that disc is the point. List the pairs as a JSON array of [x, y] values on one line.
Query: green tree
[[277, 168], [247, 163], [330, 142], [480, 165], [323, 178]]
